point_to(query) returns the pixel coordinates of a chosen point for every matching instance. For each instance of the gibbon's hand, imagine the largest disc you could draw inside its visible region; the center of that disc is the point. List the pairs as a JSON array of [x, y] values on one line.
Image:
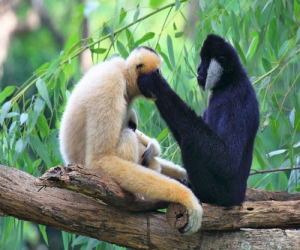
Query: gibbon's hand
[[151, 83], [152, 150]]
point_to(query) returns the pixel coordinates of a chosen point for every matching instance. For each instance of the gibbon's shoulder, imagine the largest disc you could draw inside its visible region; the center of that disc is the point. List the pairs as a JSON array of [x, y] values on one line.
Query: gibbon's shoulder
[[144, 59], [109, 67], [102, 73]]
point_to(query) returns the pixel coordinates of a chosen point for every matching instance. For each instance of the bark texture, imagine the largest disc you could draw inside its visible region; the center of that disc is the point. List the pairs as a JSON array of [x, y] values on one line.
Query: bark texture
[[77, 213]]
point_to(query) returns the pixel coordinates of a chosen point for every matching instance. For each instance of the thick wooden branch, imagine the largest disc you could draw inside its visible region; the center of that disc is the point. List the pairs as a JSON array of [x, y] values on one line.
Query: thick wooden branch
[[97, 186], [72, 212]]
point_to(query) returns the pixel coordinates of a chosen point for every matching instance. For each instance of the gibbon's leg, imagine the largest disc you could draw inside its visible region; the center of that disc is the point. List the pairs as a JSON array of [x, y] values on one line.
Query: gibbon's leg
[[166, 167], [147, 157], [172, 170], [149, 148], [137, 179], [128, 147]]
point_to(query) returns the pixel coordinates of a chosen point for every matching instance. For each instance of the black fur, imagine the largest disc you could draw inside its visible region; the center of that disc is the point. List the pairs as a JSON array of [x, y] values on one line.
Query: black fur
[[132, 126], [216, 148]]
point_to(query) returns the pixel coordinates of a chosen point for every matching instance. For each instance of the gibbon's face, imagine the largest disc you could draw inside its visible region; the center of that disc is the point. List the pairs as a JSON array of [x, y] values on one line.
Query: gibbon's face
[[217, 58]]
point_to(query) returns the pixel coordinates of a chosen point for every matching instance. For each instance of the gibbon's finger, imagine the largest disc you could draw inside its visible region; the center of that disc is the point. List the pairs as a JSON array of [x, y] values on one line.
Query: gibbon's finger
[[148, 155], [195, 220]]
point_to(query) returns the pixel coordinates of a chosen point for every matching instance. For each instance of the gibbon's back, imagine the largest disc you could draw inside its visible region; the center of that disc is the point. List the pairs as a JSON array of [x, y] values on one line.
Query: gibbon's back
[[97, 89]]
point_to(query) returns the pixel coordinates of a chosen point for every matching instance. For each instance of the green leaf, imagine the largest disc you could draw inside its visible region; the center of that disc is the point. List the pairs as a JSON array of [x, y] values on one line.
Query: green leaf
[[166, 59], [42, 88], [4, 111], [283, 49], [235, 25], [156, 3], [41, 149], [292, 117], [266, 64], [179, 34], [91, 41], [23, 118], [99, 50], [65, 238], [177, 5], [52, 68], [252, 48], [122, 15], [174, 26], [44, 233], [6, 93], [122, 50], [80, 240], [137, 13], [43, 126], [44, 67], [171, 51], [130, 40], [19, 146], [264, 83], [108, 30], [146, 37], [202, 4], [163, 134], [11, 127]]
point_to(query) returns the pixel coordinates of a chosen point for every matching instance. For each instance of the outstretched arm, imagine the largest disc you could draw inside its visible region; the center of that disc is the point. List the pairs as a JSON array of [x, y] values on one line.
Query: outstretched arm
[[173, 110]]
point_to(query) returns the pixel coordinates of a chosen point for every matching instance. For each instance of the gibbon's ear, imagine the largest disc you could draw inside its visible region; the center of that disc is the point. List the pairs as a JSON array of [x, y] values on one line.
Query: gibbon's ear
[[139, 68], [143, 60]]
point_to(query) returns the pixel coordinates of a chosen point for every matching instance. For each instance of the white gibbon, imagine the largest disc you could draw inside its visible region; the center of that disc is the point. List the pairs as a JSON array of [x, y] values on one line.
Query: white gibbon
[[96, 131]]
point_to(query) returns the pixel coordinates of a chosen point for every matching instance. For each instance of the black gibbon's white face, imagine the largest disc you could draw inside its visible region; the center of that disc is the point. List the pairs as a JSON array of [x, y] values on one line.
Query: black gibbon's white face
[[214, 73], [209, 73]]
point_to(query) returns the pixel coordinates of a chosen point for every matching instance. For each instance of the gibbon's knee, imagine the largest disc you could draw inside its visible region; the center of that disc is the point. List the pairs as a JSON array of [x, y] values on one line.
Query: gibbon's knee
[[172, 170]]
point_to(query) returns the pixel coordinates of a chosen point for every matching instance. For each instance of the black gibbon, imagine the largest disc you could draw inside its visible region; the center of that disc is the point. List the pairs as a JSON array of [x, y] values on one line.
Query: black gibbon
[[216, 148], [96, 129]]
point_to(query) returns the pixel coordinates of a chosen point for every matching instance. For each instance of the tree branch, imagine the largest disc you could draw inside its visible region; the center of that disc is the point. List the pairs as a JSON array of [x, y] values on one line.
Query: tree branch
[[72, 212], [273, 170], [97, 186]]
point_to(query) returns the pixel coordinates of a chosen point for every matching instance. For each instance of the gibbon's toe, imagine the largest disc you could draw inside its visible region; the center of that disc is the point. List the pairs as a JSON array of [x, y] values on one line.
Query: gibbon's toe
[[195, 219]]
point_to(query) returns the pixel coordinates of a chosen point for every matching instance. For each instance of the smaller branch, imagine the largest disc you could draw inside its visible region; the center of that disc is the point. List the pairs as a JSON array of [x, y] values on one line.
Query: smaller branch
[[274, 170], [97, 186]]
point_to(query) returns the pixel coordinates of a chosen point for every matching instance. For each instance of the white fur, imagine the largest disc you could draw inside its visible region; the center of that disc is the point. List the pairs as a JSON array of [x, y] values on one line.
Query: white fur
[[214, 73], [94, 132]]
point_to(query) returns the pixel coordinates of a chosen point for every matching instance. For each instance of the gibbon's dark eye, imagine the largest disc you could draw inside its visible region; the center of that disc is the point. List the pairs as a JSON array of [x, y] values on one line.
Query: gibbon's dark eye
[[139, 66], [221, 59], [132, 126]]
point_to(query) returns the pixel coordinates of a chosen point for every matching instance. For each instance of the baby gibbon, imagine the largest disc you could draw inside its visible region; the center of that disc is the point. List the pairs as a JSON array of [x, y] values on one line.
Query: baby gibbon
[[95, 131], [137, 147]]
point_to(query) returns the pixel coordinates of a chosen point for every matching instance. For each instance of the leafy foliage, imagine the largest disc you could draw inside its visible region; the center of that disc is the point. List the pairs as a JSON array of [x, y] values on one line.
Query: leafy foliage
[[265, 34]]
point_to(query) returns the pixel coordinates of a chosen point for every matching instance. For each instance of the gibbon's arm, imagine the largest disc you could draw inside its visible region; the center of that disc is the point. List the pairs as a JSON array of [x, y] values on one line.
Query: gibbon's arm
[[191, 131], [138, 179], [168, 168]]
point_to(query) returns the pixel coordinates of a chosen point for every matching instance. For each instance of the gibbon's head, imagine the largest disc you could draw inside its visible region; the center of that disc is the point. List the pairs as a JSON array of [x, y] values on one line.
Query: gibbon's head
[[219, 63], [140, 61]]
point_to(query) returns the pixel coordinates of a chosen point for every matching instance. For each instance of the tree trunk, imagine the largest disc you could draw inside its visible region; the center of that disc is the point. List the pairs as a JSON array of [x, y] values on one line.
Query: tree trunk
[[72, 212]]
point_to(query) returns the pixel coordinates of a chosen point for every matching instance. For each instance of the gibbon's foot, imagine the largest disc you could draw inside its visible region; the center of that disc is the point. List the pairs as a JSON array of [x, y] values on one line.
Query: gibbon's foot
[[185, 182], [152, 150], [195, 220]]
